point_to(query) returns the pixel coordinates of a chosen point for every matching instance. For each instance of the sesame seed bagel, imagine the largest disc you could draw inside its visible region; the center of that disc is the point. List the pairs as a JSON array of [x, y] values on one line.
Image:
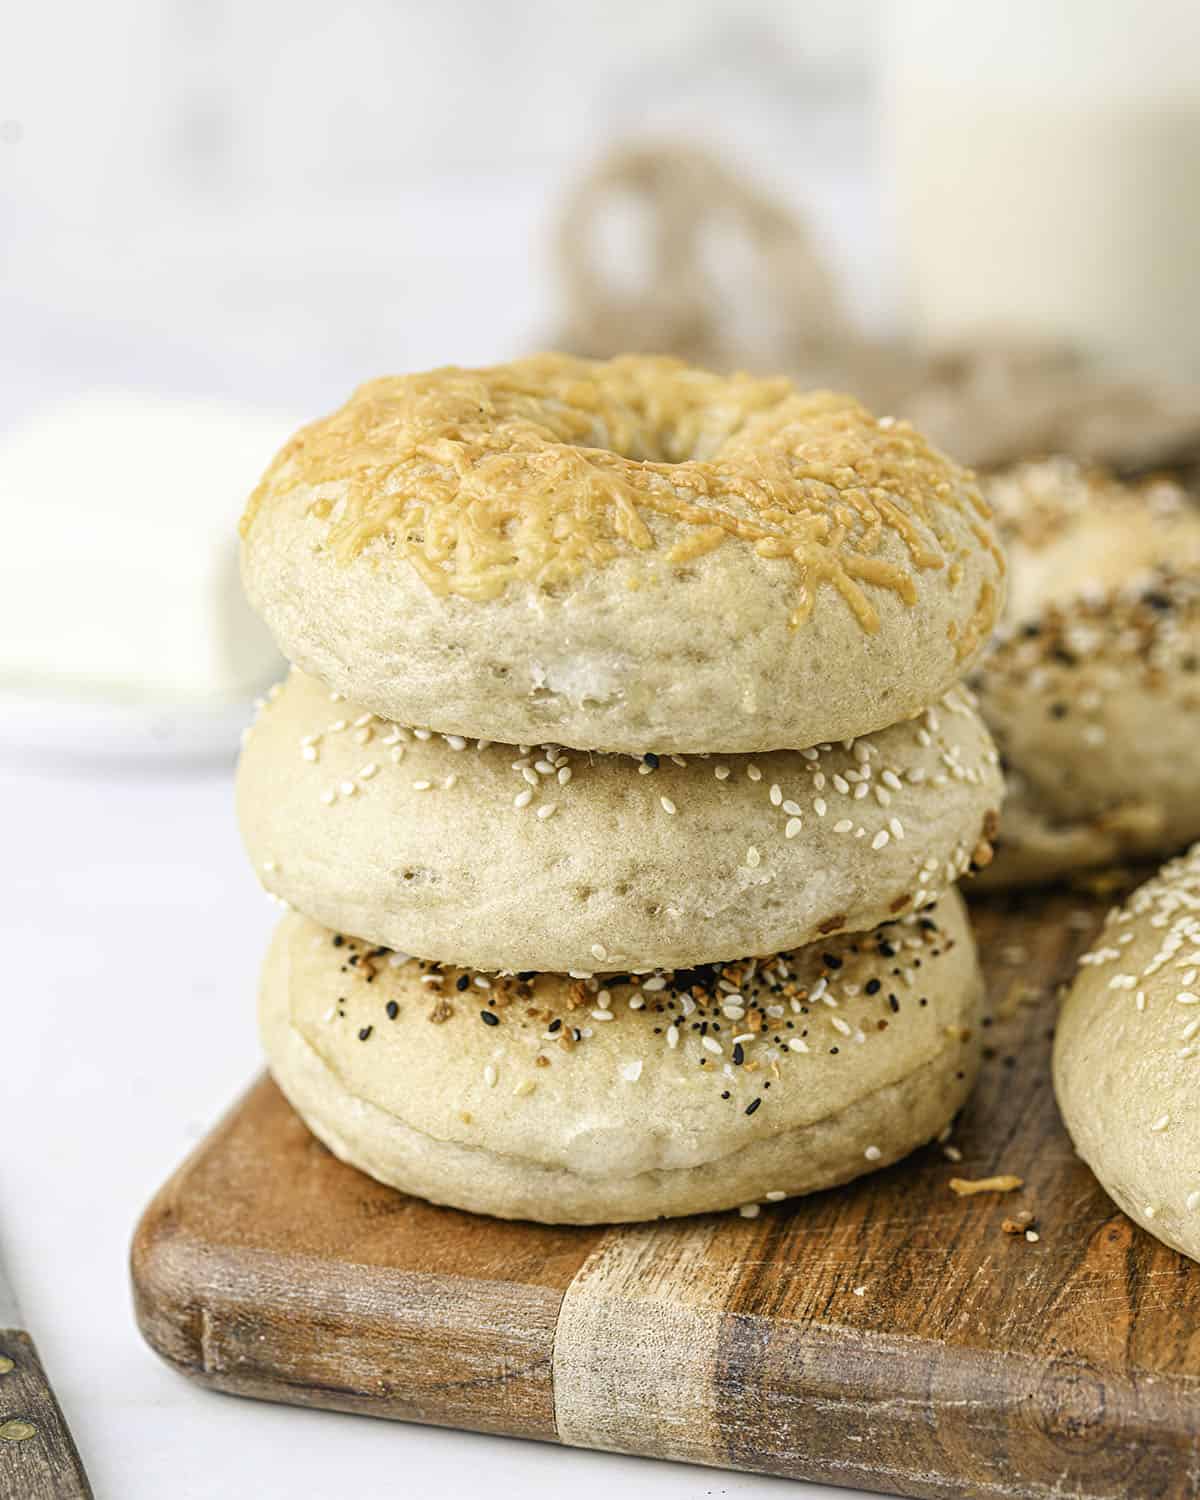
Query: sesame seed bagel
[[514, 858], [1126, 1052], [580, 1102], [625, 556], [1092, 686]]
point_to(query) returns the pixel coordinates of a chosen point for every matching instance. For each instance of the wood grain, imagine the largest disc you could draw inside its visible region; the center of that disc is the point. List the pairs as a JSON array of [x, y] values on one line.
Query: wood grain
[[889, 1334], [38, 1458]]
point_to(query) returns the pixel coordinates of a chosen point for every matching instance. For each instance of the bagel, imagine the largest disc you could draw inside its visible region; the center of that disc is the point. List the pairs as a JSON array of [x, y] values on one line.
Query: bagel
[[565, 1101], [511, 858], [623, 556], [1126, 1051], [1092, 687]]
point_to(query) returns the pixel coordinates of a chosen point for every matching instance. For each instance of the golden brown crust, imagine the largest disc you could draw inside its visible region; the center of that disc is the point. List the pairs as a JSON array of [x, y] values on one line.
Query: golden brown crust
[[543, 468]]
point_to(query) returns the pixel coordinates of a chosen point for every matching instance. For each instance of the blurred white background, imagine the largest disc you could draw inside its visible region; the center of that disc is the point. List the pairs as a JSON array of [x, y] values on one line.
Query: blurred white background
[[269, 202]]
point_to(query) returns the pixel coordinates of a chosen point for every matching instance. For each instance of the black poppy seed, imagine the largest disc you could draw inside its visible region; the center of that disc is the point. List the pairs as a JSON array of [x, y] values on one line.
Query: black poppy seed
[[886, 950], [651, 760], [873, 986], [894, 1003], [338, 940], [462, 982], [725, 1094], [752, 1106], [831, 960], [393, 1010], [365, 1033], [739, 1054], [555, 1025], [489, 1018]]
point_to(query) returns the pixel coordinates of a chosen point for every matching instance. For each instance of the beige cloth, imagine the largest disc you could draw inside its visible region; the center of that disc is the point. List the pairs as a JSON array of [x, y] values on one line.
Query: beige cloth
[[731, 278]]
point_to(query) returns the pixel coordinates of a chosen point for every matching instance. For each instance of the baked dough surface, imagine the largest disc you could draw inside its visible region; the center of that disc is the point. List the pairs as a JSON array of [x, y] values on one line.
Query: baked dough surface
[[582, 1102]]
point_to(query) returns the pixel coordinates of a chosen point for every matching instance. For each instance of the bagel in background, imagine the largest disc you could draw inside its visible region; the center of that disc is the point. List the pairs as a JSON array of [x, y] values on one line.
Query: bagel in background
[[573, 1101], [516, 858], [1092, 688], [1126, 1051], [623, 556]]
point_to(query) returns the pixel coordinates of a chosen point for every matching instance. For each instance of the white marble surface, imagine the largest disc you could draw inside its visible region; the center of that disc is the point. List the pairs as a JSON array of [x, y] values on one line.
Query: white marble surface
[[135, 928]]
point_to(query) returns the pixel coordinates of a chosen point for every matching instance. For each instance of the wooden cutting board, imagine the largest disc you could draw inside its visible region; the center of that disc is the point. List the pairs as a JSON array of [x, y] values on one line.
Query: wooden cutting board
[[888, 1335]]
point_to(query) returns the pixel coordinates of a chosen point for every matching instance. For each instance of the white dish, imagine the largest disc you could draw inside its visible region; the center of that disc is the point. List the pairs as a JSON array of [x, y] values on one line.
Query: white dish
[[95, 732]]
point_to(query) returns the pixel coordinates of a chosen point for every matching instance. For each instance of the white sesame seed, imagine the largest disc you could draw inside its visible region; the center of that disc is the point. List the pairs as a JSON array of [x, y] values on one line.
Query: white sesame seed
[[872, 1153], [422, 786], [749, 1210], [753, 857], [1192, 1201], [328, 796], [632, 1071], [530, 775], [564, 775], [666, 804], [721, 773], [523, 798], [654, 983], [490, 1076], [819, 806], [792, 828], [710, 1044], [791, 808], [880, 839], [776, 794], [599, 952], [547, 810], [309, 752], [753, 772], [347, 789], [843, 825], [602, 1015], [897, 828], [775, 1195], [456, 742], [367, 771], [1161, 1123], [797, 1044], [672, 1036], [524, 1088]]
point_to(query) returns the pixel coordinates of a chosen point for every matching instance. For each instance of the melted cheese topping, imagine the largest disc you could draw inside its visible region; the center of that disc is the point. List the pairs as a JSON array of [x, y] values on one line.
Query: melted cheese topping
[[544, 468]]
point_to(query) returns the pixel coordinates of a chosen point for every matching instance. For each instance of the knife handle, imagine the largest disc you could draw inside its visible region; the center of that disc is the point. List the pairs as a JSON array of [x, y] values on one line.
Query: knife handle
[[38, 1459]]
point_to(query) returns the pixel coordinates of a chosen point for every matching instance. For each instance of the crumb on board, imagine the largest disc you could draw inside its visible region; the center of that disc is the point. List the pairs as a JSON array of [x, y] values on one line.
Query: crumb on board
[[1020, 1223], [966, 1186]]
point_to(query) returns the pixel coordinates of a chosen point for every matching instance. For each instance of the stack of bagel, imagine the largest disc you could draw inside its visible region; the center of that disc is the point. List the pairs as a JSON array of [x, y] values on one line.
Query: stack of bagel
[[621, 785]]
